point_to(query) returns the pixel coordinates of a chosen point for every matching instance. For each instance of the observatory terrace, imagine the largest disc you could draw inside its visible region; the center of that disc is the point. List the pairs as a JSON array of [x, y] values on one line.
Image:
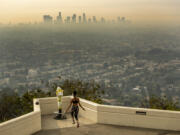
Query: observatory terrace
[[96, 120]]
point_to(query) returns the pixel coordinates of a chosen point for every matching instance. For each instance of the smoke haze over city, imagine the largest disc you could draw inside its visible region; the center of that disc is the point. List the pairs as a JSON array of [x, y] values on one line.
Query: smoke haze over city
[[129, 47], [146, 11]]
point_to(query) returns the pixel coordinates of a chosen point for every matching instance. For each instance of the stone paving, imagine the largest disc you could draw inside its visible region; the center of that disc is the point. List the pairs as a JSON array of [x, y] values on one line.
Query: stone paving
[[51, 126]]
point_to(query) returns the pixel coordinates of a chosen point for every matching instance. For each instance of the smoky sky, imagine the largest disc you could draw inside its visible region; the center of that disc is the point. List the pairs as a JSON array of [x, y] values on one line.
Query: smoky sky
[[135, 10]]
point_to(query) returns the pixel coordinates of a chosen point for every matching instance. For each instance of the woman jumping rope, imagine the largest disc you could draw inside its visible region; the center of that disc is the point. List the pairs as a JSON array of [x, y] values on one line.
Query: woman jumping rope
[[75, 103]]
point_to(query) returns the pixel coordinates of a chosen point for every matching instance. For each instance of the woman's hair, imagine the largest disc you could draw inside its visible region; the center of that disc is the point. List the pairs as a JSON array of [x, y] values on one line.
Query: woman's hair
[[74, 93]]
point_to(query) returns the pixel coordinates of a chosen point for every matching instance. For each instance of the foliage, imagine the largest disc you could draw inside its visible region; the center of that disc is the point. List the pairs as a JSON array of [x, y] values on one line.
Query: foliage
[[10, 106], [13, 105], [89, 90], [162, 103], [27, 99]]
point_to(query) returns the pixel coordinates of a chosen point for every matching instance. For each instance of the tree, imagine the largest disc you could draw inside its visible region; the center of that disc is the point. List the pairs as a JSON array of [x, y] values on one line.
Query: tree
[[10, 106], [89, 90], [13, 105], [162, 103]]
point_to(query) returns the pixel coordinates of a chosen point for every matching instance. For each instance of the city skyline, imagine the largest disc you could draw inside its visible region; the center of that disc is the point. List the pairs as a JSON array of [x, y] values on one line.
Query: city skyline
[[79, 19], [152, 11]]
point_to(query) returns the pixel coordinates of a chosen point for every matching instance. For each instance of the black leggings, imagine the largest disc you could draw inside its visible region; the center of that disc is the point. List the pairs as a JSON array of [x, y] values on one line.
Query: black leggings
[[75, 111]]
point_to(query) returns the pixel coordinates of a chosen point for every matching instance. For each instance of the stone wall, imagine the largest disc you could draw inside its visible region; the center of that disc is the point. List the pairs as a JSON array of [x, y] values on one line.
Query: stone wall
[[23, 125], [139, 117], [129, 116], [103, 114]]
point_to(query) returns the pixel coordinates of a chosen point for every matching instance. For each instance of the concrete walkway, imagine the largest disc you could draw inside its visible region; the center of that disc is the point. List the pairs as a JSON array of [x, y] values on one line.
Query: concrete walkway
[[87, 127], [49, 123]]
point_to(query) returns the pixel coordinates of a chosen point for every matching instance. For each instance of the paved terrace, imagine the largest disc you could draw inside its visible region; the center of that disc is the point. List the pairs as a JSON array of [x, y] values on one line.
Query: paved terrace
[[51, 126], [96, 120]]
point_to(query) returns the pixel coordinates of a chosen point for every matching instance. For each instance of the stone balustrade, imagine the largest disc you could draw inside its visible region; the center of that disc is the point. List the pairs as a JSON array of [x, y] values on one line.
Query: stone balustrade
[[103, 114], [24, 125]]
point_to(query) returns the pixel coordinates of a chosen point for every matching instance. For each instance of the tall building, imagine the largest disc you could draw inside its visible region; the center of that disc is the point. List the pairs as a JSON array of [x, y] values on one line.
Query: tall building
[[74, 18], [80, 19], [84, 18], [94, 19], [68, 20], [103, 20], [48, 19], [89, 20], [123, 19], [118, 19], [59, 18]]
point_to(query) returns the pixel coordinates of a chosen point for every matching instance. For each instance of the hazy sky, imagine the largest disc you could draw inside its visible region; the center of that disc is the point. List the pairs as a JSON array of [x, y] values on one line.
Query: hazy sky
[[136, 10]]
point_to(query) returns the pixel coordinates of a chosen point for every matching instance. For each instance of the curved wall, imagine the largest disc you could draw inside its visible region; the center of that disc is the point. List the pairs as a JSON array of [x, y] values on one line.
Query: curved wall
[[23, 125], [139, 117], [103, 114], [129, 116]]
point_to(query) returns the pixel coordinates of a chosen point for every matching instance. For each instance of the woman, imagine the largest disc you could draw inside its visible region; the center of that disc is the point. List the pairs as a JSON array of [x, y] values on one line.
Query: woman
[[75, 103]]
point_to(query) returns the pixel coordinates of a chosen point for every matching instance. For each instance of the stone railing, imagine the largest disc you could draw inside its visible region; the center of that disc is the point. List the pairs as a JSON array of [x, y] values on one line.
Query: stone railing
[[117, 115], [103, 114], [139, 117], [23, 125], [49, 106]]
